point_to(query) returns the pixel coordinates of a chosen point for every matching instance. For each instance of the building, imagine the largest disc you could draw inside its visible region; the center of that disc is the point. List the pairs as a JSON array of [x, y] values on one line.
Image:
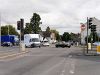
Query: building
[[96, 22], [48, 36]]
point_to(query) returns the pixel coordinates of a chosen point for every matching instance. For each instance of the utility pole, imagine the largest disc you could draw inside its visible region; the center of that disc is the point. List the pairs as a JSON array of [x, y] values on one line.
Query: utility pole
[[87, 34]]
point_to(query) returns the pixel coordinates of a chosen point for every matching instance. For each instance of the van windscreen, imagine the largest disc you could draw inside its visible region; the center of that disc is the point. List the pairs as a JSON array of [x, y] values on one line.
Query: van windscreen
[[34, 40]]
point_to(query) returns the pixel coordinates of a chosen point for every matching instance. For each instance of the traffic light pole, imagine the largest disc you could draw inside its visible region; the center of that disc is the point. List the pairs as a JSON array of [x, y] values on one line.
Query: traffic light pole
[[87, 34], [0, 29], [20, 40]]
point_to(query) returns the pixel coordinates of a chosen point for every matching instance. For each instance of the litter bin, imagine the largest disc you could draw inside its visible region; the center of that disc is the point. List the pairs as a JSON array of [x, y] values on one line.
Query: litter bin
[[98, 49]]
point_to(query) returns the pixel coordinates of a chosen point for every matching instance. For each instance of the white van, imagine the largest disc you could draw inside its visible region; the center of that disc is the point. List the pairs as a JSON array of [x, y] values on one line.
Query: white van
[[32, 40]]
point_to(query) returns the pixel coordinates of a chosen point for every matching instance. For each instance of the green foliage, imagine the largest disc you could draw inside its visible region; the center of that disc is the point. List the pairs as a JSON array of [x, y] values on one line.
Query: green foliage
[[28, 29], [66, 37], [58, 38], [47, 32], [48, 29], [33, 26], [90, 37], [11, 31], [75, 37], [35, 22]]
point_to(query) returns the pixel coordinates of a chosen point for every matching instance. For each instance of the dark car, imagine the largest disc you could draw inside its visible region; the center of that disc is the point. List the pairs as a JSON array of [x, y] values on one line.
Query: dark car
[[68, 44], [6, 44], [63, 45]]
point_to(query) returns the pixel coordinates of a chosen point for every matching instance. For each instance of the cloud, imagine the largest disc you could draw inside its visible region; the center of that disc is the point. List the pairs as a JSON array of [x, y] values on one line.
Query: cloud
[[63, 15]]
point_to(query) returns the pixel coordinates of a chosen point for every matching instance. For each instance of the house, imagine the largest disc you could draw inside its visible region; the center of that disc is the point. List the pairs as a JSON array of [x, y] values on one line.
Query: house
[[49, 36], [96, 22]]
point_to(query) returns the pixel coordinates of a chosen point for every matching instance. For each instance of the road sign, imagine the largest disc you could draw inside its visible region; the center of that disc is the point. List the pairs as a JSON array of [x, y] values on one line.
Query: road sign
[[82, 27]]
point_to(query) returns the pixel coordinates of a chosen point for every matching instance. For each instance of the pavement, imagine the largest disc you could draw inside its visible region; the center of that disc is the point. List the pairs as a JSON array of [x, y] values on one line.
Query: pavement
[[8, 52]]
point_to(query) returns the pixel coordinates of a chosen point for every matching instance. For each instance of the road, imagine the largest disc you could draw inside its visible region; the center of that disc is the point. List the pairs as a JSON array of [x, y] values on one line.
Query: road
[[9, 49], [51, 61]]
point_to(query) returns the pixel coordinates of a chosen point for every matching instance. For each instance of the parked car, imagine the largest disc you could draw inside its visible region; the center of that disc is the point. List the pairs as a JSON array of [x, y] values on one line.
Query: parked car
[[68, 44], [63, 44], [45, 43], [6, 44]]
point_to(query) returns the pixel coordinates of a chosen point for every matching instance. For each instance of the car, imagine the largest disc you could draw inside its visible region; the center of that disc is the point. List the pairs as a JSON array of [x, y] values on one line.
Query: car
[[96, 43], [63, 45], [68, 44], [45, 43], [6, 44], [35, 45]]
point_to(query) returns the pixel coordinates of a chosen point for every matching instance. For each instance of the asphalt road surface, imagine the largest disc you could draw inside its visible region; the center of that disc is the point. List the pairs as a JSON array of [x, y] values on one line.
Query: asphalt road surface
[[51, 61]]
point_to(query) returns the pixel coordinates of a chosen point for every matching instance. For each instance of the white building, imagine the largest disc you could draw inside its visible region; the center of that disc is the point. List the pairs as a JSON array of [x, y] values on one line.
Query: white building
[[96, 22]]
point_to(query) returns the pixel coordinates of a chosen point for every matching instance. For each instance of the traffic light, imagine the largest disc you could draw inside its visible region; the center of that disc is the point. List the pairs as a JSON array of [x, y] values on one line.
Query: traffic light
[[22, 28], [18, 25], [93, 28], [22, 23], [90, 22]]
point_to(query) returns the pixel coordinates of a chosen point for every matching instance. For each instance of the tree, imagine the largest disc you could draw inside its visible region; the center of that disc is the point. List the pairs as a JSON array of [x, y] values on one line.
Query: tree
[[47, 32], [66, 36], [48, 29], [90, 38], [28, 29], [35, 22], [58, 37], [72, 36], [8, 29]]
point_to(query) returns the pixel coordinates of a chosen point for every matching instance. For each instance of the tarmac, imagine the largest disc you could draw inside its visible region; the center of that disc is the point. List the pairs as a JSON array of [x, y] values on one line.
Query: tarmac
[[5, 54]]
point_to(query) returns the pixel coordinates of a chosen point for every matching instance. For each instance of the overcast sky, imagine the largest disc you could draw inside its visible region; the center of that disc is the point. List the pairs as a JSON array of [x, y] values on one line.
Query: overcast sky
[[62, 15]]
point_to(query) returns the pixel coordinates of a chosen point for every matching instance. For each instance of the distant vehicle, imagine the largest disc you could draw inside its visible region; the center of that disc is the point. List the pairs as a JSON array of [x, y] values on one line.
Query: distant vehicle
[[6, 44], [68, 44], [13, 39], [32, 40], [45, 43], [96, 43], [62, 44]]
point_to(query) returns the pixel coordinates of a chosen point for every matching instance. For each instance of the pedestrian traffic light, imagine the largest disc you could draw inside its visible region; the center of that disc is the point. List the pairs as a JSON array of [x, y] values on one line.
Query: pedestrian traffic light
[[93, 28], [90, 22], [18, 25]]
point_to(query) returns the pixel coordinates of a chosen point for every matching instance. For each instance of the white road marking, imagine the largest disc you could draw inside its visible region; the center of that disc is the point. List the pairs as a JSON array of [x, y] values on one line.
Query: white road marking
[[53, 67], [69, 66], [72, 70]]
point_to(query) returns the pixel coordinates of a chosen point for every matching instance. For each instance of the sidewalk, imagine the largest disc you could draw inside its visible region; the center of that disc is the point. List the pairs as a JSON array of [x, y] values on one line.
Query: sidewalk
[[4, 53], [83, 52]]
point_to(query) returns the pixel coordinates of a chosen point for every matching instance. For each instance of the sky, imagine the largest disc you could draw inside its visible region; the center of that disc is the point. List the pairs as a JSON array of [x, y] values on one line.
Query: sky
[[62, 15]]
